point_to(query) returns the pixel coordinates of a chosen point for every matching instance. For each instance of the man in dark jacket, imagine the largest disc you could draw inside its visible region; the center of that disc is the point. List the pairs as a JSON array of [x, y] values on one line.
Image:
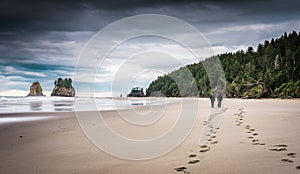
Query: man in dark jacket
[[212, 99], [220, 98]]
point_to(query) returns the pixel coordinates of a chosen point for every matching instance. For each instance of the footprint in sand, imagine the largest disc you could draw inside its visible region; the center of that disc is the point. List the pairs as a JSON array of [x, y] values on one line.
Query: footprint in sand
[[214, 142], [287, 160], [280, 145], [252, 130], [180, 169], [256, 143], [192, 155], [298, 167], [204, 148], [278, 149], [254, 134], [250, 137], [193, 161], [293, 155]]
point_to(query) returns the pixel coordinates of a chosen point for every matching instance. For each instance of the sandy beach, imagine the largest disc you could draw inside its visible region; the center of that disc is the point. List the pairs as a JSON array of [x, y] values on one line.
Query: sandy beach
[[254, 136]]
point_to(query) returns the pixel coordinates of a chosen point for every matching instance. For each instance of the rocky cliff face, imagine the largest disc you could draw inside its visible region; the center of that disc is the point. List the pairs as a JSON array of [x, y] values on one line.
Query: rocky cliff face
[[35, 89], [63, 91]]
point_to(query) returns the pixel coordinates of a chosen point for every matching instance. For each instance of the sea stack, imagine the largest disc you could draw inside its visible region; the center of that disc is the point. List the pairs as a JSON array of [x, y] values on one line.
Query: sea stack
[[63, 88], [136, 92], [35, 89]]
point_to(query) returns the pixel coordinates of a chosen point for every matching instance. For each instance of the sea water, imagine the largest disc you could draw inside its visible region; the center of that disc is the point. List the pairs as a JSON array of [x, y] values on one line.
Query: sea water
[[65, 104], [10, 105]]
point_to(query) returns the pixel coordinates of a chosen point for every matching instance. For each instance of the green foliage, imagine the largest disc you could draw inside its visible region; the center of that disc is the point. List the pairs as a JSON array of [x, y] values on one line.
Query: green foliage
[[273, 70], [67, 83], [288, 90]]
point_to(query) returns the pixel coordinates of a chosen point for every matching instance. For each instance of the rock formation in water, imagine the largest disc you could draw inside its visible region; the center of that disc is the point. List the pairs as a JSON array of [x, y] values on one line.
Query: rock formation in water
[[35, 89], [63, 88], [136, 92]]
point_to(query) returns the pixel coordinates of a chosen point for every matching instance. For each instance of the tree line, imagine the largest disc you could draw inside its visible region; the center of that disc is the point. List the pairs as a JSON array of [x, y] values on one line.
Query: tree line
[[67, 82]]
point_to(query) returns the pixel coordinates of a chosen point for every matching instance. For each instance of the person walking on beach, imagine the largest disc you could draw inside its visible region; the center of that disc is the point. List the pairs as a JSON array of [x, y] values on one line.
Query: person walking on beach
[[212, 99], [220, 98]]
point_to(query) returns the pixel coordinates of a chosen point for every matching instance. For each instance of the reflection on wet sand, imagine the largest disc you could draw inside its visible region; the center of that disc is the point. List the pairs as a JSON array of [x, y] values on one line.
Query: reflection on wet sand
[[63, 105], [36, 105]]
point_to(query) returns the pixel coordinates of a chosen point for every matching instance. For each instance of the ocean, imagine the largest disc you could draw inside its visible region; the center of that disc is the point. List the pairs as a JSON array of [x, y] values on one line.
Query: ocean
[[64, 104], [10, 105]]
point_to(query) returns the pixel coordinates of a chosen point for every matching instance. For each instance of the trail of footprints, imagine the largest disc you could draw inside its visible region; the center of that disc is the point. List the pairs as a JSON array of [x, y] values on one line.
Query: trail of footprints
[[211, 140], [194, 158], [239, 117], [251, 134]]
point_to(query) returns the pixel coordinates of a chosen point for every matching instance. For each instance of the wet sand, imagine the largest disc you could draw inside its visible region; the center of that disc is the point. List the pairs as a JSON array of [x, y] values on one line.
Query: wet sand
[[255, 136]]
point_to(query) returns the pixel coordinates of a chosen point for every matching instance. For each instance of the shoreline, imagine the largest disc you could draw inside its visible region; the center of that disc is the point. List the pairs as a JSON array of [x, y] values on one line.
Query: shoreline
[[149, 98]]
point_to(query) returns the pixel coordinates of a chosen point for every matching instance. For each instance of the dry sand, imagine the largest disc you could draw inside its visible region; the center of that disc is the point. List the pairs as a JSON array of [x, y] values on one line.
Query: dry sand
[[255, 136]]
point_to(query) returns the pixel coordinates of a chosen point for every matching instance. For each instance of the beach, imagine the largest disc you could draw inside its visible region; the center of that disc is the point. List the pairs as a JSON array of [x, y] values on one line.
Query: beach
[[253, 136]]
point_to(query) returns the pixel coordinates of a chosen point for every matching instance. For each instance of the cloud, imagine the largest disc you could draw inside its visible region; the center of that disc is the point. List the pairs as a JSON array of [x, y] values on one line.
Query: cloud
[[14, 93], [58, 48], [239, 28], [11, 70], [92, 15], [13, 83], [240, 36]]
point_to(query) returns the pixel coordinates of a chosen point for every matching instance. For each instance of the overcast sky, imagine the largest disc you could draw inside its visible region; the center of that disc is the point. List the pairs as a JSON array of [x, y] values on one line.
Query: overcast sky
[[42, 40]]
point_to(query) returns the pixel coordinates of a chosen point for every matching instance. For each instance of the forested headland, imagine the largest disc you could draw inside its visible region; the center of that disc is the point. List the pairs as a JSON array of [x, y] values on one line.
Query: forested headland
[[270, 71]]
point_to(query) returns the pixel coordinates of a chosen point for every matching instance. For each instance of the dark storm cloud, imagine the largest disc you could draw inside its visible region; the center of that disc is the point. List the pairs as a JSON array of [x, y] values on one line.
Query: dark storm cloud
[[26, 25], [35, 15]]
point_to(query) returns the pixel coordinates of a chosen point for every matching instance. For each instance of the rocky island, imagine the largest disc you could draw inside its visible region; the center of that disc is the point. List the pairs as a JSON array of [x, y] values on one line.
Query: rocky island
[[63, 88], [35, 89], [136, 92]]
